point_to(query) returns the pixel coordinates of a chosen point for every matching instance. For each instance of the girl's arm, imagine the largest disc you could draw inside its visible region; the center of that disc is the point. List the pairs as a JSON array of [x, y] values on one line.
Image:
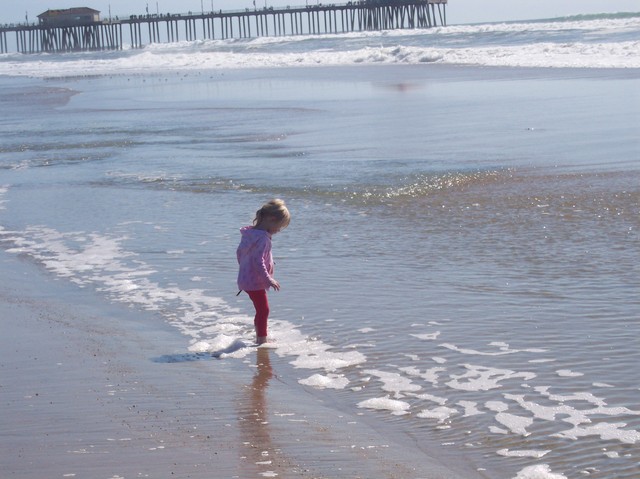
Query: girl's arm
[[266, 264]]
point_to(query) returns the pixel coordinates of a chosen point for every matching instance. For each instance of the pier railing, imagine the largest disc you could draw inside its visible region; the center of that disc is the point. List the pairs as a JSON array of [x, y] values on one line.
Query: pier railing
[[139, 30]]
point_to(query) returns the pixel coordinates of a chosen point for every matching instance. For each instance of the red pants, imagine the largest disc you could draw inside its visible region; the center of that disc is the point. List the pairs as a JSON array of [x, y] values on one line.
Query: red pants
[[261, 303]]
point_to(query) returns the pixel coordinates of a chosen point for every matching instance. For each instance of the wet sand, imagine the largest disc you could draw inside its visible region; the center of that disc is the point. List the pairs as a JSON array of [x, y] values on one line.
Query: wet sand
[[95, 390]]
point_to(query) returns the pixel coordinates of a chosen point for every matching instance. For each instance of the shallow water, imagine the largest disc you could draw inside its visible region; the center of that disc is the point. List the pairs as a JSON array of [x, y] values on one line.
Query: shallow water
[[462, 255]]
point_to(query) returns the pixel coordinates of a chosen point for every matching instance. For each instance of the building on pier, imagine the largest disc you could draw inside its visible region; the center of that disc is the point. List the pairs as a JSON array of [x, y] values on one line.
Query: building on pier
[[69, 17]]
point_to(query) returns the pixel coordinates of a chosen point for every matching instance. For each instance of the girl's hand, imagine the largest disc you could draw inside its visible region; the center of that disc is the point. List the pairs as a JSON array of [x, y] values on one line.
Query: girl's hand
[[275, 285]]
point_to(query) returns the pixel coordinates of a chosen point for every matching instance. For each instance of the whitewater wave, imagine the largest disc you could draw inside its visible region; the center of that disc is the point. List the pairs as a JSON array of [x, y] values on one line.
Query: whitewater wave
[[580, 55], [594, 42]]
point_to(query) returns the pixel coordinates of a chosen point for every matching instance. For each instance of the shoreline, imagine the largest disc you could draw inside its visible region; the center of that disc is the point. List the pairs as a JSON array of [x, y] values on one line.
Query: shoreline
[[83, 397], [323, 72], [80, 398]]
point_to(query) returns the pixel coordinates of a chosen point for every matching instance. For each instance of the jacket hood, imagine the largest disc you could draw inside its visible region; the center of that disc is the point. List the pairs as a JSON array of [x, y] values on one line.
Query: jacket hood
[[249, 232]]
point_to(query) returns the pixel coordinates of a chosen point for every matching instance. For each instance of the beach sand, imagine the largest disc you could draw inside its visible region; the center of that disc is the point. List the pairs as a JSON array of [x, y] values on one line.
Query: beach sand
[[94, 390]]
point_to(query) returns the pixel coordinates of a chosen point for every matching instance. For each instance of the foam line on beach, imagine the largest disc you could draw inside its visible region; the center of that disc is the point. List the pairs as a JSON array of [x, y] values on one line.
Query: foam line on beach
[[100, 261], [542, 471]]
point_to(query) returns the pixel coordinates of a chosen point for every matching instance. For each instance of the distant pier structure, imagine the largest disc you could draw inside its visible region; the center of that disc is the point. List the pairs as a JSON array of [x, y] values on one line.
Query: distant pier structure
[[73, 29], [81, 29]]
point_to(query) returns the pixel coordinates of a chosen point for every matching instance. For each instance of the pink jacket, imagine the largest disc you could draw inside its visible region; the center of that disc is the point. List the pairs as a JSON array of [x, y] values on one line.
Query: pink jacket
[[255, 260]]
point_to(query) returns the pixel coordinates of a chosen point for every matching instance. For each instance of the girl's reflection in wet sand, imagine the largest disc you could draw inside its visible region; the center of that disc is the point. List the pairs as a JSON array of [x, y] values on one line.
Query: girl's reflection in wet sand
[[259, 453]]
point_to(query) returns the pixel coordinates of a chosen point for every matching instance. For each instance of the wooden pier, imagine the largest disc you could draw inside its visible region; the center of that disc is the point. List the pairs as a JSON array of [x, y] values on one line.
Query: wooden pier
[[38, 39], [367, 15]]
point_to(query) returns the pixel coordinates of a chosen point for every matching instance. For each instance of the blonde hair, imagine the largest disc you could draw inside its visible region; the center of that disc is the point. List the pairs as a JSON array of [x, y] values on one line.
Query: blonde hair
[[277, 210]]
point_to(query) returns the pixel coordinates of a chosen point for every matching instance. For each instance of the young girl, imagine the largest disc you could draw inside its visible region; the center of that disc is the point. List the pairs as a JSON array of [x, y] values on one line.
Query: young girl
[[255, 275]]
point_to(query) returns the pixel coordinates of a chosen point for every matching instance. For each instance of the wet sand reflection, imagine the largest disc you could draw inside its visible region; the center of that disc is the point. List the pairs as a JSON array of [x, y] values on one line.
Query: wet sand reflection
[[258, 452]]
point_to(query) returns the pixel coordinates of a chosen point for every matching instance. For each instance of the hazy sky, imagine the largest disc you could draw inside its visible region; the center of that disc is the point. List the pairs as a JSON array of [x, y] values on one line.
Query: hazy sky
[[458, 11]]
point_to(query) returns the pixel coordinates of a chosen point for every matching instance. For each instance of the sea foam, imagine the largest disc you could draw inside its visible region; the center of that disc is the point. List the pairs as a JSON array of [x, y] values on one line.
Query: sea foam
[[542, 471]]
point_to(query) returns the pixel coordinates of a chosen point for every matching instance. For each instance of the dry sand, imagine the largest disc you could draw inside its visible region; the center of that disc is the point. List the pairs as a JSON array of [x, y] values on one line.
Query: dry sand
[[94, 390]]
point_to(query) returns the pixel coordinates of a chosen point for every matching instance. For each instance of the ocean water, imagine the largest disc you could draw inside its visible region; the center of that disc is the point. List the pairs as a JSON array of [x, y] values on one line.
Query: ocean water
[[462, 262]]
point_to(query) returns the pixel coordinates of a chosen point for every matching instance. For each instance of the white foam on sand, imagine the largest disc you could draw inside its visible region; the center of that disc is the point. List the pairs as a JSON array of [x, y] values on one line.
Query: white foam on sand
[[394, 382], [431, 375], [470, 408], [441, 413], [483, 378], [579, 417], [430, 397], [396, 407], [542, 471], [503, 348], [522, 453], [567, 373], [605, 430], [515, 424], [330, 381], [427, 336]]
